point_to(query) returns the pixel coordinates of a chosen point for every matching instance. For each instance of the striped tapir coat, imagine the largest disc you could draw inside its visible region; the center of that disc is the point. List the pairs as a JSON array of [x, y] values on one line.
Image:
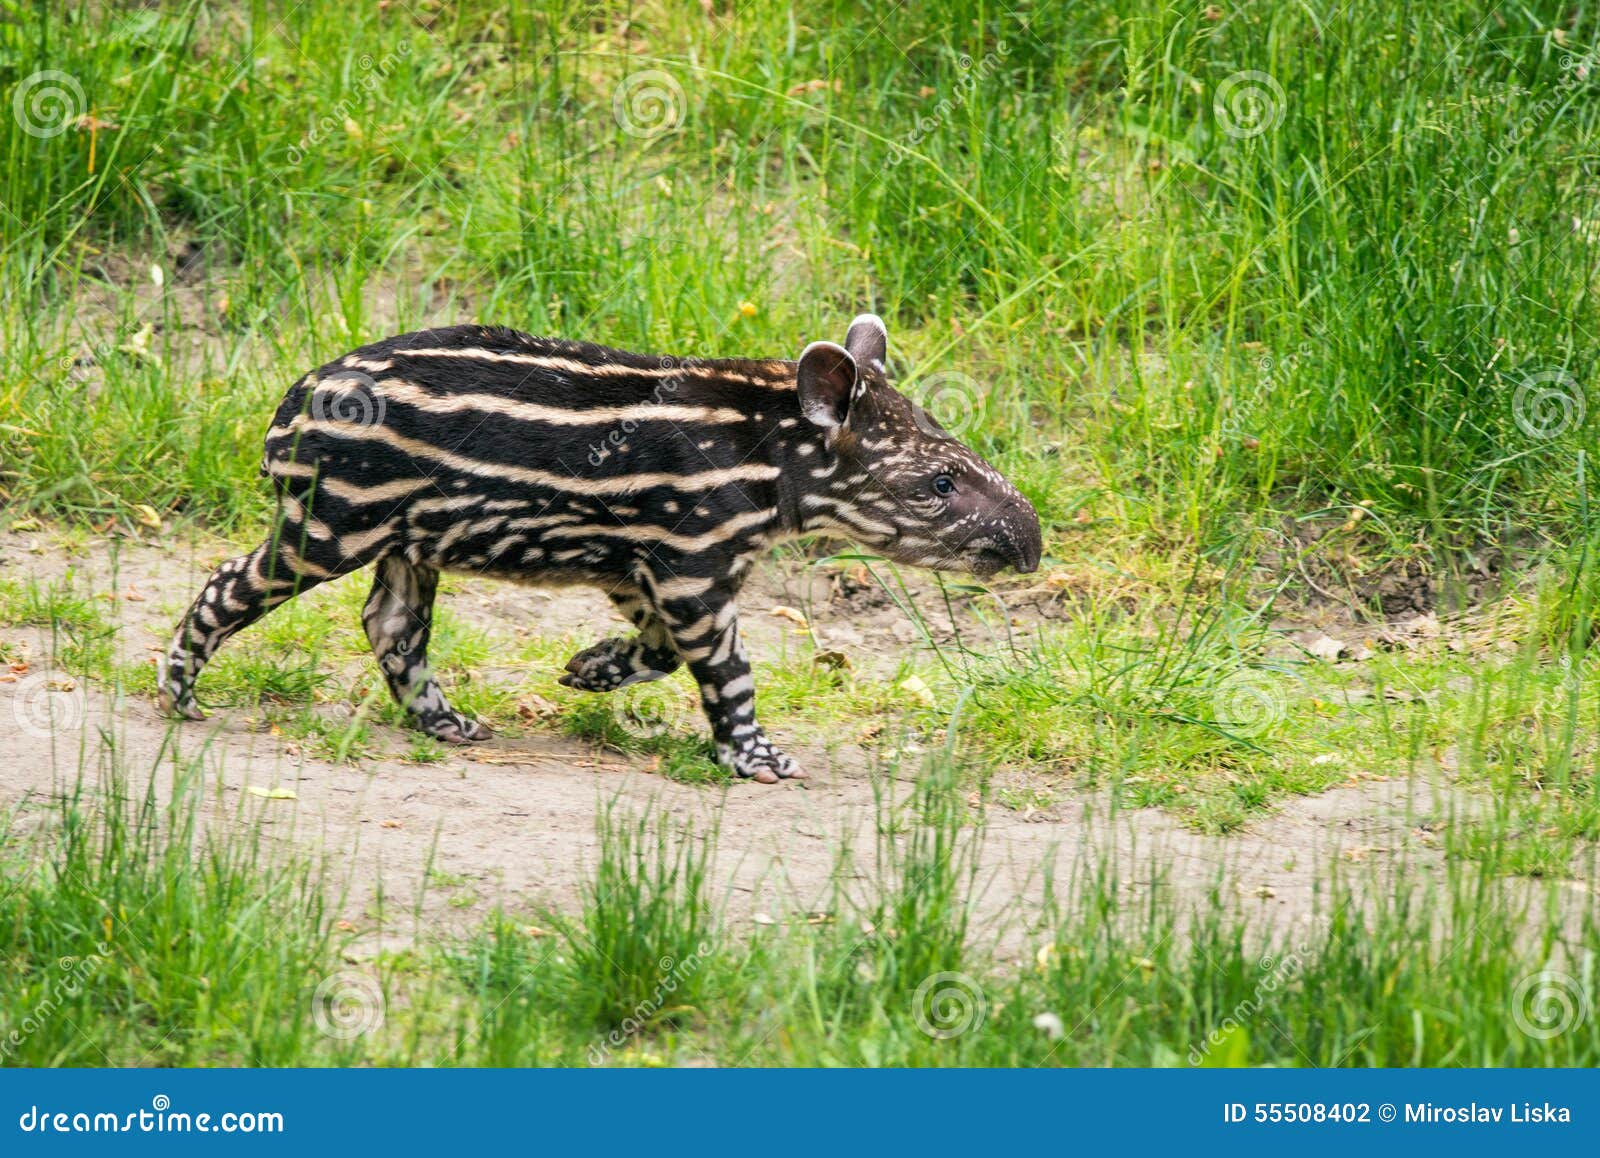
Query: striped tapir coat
[[659, 480]]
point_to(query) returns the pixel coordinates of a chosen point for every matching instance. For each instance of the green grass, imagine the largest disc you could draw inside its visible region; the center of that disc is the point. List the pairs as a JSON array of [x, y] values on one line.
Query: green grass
[[1257, 303], [1182, 329], [132, 937], [1179, 329]]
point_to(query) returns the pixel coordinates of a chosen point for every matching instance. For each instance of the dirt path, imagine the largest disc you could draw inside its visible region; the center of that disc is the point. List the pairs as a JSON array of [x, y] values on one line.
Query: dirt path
[[512, 822], [516, 824]]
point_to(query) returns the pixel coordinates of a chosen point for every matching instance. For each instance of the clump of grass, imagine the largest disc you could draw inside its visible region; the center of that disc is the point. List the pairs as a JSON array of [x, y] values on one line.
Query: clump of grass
[[131, 938], [82, 632], [645, 939]]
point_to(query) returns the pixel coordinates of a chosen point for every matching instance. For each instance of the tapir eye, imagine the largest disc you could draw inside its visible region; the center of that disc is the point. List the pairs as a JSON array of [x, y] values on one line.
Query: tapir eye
[[944, 484]]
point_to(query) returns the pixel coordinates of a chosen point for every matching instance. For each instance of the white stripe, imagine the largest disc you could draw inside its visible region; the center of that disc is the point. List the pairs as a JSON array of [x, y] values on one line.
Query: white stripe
[[681, 588], [399, 390], [780, 380], [649, 533], [449, 503], [282, 469], [356, 544], [621, 485], [383, 492]]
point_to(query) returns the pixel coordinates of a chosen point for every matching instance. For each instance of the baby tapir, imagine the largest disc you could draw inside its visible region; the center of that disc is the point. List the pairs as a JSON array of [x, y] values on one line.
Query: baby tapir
[[658, 480]]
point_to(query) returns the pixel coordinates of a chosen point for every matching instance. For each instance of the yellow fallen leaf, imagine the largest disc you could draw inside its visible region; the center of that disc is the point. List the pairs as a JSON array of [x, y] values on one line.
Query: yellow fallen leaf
[[914, 687], [139, 344], [147, 516], [271, 793], [1326, 648], [793, 616]]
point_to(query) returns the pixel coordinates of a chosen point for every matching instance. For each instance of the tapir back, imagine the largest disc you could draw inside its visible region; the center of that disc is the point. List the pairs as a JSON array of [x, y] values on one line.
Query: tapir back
[[471, 446]]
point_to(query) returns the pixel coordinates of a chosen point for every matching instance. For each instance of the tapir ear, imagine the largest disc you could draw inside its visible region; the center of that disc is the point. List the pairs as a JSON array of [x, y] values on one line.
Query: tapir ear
[[826, 380], [868, 341]]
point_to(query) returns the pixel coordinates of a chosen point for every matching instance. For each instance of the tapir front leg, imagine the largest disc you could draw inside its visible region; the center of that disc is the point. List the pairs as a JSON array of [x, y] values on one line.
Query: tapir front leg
[[705, 632]]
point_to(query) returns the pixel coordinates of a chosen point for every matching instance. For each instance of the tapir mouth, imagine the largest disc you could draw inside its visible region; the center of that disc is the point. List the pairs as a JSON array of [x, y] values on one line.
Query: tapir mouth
[[986, 561]]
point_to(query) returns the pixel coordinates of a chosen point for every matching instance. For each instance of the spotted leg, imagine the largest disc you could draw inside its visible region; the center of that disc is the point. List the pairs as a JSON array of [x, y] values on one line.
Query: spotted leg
[[616, 662], [399, 618], [238, 593], [705, 632]]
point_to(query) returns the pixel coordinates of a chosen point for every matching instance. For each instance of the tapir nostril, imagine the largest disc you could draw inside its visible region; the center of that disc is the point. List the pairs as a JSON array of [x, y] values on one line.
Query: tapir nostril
[[1025, 559], [1026, 539]]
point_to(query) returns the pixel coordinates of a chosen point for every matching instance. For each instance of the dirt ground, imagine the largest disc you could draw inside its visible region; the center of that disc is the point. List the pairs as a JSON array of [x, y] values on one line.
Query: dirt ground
[[512, 822]]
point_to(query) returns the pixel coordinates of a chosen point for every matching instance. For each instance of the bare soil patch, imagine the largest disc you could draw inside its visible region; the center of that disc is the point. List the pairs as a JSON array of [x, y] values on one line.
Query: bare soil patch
[[513, 822]]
